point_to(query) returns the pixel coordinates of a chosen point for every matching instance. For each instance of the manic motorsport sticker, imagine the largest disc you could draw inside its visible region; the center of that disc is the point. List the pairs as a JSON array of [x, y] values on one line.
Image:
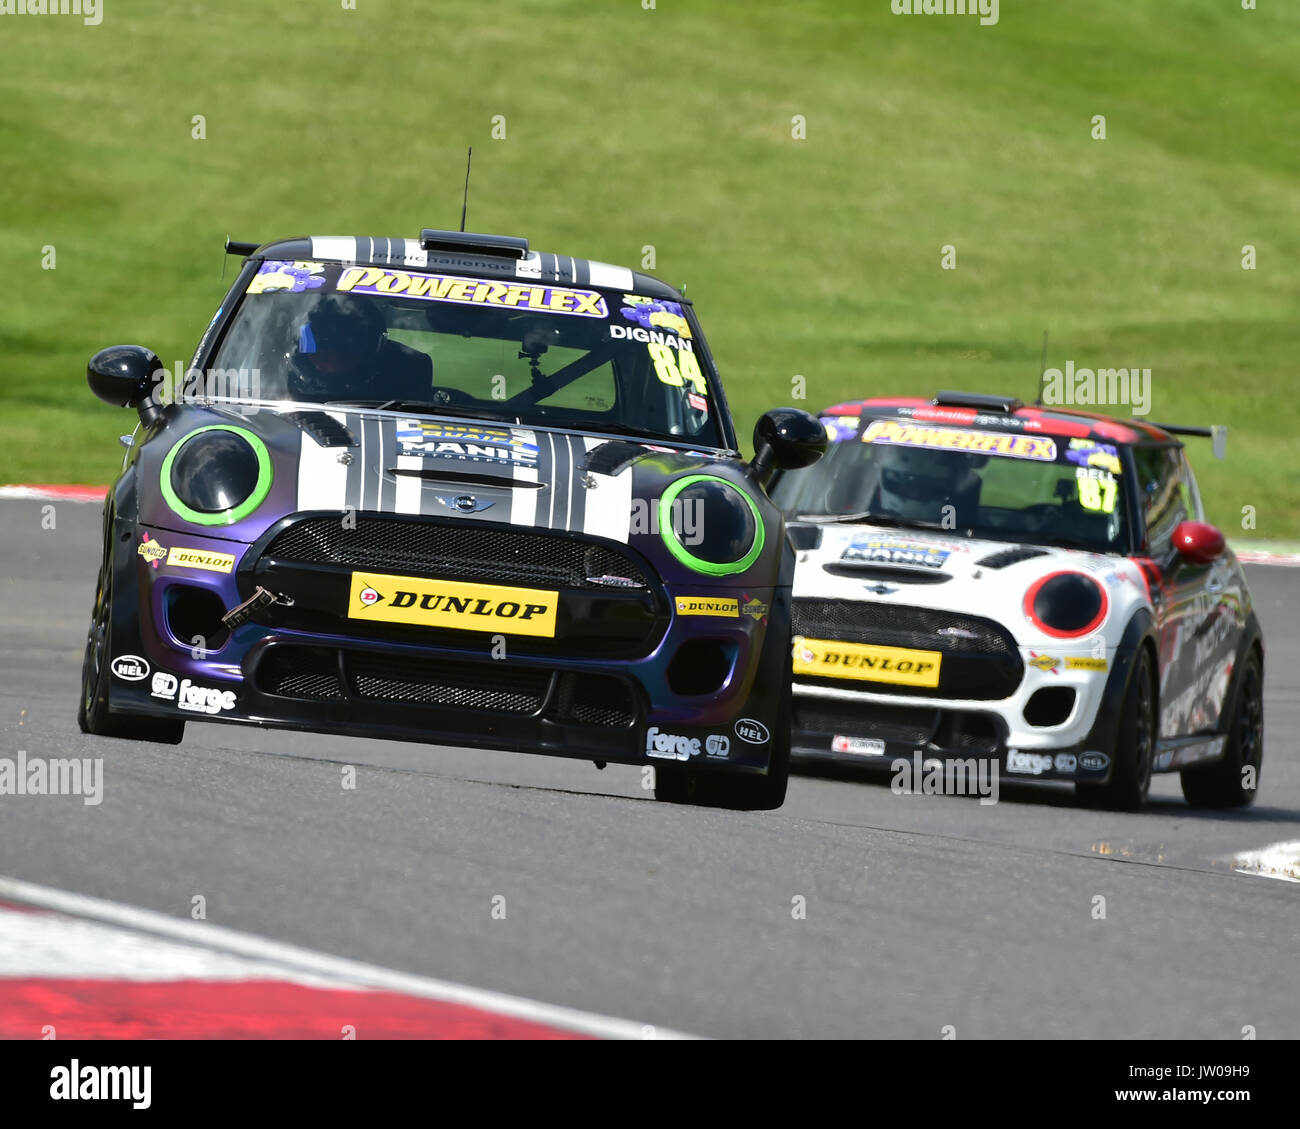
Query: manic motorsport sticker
[[893, 550]]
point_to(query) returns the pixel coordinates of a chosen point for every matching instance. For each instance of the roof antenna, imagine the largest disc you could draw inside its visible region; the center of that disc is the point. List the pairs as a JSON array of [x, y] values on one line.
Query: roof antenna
[[465, 206], [1042, 371]]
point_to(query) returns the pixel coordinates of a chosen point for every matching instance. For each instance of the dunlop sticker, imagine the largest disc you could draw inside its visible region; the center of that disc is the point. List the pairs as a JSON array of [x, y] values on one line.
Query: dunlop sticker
[[898, 665], [452, 604]]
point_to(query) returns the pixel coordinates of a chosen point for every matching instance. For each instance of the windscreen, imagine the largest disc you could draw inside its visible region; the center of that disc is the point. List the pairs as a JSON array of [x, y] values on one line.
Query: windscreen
[[529, 352], [1004, 486]]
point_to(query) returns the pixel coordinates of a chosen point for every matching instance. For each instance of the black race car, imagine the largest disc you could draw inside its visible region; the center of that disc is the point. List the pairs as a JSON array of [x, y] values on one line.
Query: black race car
[[450, 489]]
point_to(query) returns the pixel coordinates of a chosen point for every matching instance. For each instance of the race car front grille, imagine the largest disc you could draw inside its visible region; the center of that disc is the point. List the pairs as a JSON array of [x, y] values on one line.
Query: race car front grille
[[816, 720], [301, 672], [458, 550], [980, 660], [591, 701], [450, 684]]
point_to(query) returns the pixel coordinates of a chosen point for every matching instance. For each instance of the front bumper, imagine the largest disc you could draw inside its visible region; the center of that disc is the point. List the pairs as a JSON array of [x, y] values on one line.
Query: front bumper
[[872, 730], [560, 698]]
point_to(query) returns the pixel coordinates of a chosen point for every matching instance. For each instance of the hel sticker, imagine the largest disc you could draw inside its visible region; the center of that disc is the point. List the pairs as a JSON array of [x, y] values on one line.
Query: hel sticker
[[1085, 662], [453, 604], [200, 558], [752, 732], [286, 276], [130, 668], [728, 607], [480, 444], [677, 369], [473, 291], [890, 550], [651, 313], [1090, 453], [893, 432], [1094, 762], [858, 746], [1097, 489], [825, 658], [840, 428], [1043, 662]]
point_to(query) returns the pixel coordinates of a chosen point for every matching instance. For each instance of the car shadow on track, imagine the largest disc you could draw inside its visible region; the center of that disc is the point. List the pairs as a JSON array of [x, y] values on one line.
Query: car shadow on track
[[1054, 795]]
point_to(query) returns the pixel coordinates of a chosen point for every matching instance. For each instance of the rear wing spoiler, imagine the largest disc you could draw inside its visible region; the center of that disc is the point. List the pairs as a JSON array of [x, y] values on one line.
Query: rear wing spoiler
[[1218, 433]]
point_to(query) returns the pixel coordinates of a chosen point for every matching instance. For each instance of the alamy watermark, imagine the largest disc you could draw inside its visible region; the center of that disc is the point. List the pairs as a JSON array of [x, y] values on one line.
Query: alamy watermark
[[42, 776], [930, 776], [987, 10], [1102, 387], [91, 11]]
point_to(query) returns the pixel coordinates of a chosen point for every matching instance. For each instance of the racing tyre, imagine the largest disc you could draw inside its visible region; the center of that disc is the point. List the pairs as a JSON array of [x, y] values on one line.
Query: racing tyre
[[1130, 778], [93, 715], [1224, 783], [675, 785], [742, 793]]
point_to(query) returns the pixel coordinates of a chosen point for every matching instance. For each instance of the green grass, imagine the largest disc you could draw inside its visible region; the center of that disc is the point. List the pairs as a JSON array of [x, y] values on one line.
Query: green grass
[[672, 127]]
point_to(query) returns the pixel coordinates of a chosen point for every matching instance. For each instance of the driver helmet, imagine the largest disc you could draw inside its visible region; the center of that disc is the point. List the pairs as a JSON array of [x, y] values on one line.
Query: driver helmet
[[337, 343]]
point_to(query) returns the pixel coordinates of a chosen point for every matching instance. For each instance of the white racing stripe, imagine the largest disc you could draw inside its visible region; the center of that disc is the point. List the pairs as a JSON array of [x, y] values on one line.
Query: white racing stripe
[[298, 961], [322, 479], [415, 256], [523, 499], [608, 511], [341, 247], [616, 278], [1277, 860], [409, 486]]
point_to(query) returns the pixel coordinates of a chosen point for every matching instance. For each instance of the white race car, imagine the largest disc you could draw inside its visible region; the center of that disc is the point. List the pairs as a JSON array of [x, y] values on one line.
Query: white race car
[[978, 579]]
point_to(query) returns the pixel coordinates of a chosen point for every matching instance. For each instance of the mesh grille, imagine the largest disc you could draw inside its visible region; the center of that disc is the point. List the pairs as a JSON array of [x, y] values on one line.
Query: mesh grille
[[300, 672], [897, 625], [980, 660], [593, 701], [458, 551], [466, 686], [889, 723], [956, 730]]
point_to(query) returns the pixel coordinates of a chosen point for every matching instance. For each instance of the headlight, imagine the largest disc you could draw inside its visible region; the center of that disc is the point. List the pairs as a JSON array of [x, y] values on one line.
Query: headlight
[[710, 525], [216, 475], [1066, 604]]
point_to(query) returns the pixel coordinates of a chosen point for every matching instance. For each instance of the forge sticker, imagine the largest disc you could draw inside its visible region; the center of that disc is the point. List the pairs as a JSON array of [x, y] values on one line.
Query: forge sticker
[[467, 441], [473, 291], [895, 551], [894, 432], [453, 604], [826, 658]]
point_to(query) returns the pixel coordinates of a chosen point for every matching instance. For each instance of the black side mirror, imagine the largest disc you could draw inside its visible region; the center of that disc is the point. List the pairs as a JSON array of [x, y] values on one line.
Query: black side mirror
[[123, 375], [786, 439]]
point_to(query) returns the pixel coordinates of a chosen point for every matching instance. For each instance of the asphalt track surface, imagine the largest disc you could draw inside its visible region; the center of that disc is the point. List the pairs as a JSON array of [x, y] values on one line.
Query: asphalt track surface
[[922, 912]]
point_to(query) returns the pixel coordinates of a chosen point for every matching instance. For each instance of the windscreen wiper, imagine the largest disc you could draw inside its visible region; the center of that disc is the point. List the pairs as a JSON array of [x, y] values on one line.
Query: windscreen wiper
[[875, 519], [422, 406]]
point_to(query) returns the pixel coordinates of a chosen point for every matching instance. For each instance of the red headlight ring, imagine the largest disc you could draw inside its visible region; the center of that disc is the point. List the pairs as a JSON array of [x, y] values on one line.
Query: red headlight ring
[[1086, 629]]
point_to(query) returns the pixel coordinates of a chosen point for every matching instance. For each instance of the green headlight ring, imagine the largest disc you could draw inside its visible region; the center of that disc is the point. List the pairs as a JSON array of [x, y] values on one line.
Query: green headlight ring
[[222, 517], [682, 554]]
